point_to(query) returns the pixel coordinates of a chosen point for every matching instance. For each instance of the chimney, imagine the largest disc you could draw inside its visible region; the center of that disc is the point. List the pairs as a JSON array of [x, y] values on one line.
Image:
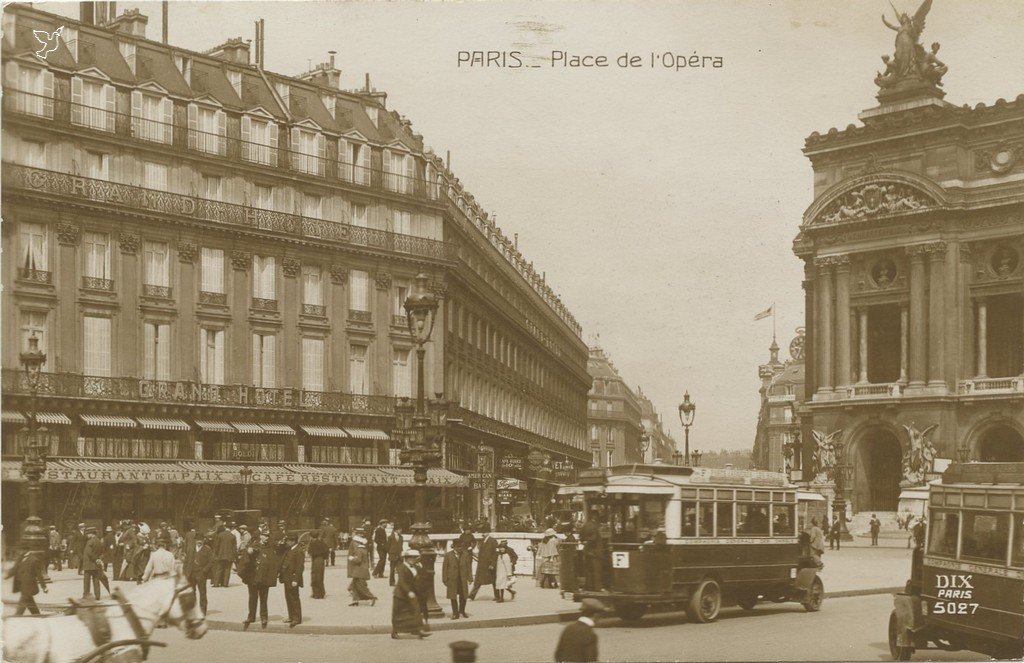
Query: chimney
[[324, 74], [260, 45], [131, 22], [163, 23], [86, 13], [233, 50]]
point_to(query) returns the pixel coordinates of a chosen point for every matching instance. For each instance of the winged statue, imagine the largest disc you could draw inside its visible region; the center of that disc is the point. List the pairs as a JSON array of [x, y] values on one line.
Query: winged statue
[[919, 459], [910, 58], [825, 454]]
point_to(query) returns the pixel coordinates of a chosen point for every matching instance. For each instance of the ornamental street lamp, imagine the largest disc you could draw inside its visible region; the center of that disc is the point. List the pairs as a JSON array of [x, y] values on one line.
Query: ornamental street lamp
[[32, 536], [687, 409], [422, 432], [246, 474], [645, 444], [843, 472]]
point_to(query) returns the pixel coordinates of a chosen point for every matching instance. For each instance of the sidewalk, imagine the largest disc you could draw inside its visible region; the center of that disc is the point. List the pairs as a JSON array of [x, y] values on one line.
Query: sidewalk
[[854, 570]]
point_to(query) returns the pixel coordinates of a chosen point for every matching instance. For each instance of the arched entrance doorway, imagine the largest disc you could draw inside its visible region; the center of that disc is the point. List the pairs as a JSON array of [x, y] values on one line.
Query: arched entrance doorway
[[1001, 444], [878, 471]]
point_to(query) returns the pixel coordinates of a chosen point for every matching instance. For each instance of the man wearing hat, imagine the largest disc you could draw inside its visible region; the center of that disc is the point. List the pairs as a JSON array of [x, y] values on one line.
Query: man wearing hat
[[486, 560], [259, 572], [53, 538], [109, 544], [197, 565], [359, 570], [291, 577], [225, 548], [29, 574], [456, 572], [578, 642], [76, 544], [92, 564], [380, 542], [406, 612], [329, 535], [246, 537], [317, 550]]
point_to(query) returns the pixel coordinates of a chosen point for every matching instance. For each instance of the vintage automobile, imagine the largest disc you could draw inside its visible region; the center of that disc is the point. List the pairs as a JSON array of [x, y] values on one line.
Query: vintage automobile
[[693, 538], [966, 587]]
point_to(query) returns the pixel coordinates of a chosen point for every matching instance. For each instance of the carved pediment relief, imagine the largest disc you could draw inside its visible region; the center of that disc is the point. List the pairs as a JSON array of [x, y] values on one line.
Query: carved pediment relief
[[874, 195]]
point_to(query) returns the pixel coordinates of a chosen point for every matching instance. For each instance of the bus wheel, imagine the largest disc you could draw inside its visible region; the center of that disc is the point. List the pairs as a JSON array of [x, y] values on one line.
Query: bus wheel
[[815, 595], [630, 612], [747, 601], [897, 652], [705, 602]]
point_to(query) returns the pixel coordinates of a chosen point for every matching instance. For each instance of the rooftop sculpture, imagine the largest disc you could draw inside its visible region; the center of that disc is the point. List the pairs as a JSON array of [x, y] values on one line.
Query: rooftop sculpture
[[911, 68]]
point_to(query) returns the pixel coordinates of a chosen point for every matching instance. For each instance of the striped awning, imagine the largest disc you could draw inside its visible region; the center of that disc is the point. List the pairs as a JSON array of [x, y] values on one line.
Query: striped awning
[[12, 417], [215, 426], [278, 429], [163, 424], [368, 434], [108, 421], [324, 431], [53, 418], [246, 427]]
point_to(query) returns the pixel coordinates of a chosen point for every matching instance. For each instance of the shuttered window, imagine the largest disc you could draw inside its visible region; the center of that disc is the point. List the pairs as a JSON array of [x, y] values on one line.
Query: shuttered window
[[207, 129], [259, 141], [96, 250], [152, 117], [92, 104]]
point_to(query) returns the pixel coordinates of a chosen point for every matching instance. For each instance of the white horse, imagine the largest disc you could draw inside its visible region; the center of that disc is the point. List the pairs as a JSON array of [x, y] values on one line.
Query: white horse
[[133, 616]]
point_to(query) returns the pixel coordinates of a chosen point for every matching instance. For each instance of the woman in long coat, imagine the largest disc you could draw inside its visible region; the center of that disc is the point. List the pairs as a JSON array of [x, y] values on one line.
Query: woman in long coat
[[406, 613], [547, 559], [359, 571]]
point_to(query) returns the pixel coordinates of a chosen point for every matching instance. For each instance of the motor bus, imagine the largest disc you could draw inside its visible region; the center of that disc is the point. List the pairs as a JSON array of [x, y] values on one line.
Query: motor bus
[[966, 587], [693, 538]]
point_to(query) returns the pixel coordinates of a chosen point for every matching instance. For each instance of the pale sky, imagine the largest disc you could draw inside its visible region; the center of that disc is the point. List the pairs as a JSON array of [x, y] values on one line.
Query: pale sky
[[662, 204]]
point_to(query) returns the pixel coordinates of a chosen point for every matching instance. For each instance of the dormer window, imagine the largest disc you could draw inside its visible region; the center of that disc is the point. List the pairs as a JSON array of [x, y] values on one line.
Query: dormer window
[[374, 113], [92, 104], [127, 49], [70, 37], [330, 103], [259, 140], [184, 65], [207, 129], [284, 91], [399, 171], [309, 151], [152, 117], [235, 78], [30, 88]]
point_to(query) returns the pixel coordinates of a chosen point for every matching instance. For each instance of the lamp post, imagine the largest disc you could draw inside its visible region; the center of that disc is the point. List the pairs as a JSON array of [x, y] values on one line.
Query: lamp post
[[32, 536], [246, 474], [422, 432], [842, 470], [645, 444], [686, 411]]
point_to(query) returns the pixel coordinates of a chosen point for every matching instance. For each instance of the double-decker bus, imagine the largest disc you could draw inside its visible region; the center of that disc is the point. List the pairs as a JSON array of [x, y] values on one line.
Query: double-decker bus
[[966, 587], [684, 537]]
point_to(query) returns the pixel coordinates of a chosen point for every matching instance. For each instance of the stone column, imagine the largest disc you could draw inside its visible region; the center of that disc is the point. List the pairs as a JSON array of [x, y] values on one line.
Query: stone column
[[183, 367], [66, 325], [937, 314], [982, 337], [824, 322], [842, 321], [918, 343], [127, 358], [289, 304], [238, 342], [862, 336], [904, 342], [810, 366]]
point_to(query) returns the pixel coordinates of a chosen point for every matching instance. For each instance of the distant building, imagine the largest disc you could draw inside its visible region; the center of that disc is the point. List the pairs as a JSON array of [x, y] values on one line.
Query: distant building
[[776, 444], [613, 416], [660, 446]]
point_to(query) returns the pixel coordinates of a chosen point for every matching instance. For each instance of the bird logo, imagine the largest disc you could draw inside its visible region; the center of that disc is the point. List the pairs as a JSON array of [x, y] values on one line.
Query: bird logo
[[48, 40]]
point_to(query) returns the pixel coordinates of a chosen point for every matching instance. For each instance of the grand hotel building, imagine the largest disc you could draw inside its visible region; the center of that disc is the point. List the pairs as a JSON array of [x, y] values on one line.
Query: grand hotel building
[[214, 258]]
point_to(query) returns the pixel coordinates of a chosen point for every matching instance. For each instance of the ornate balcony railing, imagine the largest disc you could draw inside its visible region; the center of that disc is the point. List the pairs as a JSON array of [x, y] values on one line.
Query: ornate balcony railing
[[360, 316], [97, 283], [35, 275], [22, 178], [314, 310], [1014, 385], [886, 390], [74, 385], [261, 304], [159, 291], [400, 321], [218, 298]]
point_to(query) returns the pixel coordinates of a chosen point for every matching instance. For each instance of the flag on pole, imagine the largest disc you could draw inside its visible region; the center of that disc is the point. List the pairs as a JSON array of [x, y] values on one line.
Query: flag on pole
[[765, 313]]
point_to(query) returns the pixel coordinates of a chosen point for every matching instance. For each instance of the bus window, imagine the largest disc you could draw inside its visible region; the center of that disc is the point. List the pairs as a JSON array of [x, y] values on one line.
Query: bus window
[[752, 519], [1018, 540], [985, 535], [707, 518], [724, 518], [782, 520], [689, 519], [944, 527]]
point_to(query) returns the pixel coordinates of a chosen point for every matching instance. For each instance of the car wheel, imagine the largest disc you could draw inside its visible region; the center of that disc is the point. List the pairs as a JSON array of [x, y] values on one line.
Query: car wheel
[[705, 602], [897, 652], [815, 596]]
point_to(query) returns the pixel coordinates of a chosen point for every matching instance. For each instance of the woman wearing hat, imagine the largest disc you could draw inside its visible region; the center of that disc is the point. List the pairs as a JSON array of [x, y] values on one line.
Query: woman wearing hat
[[547, 557], [406, 614], [359, 570], [503, 578]]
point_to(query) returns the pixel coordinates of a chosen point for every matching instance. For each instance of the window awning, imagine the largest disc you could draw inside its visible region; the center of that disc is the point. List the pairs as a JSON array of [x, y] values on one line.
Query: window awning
[[53, 419], [368, 434], [12, 417], [108, 421], [245, 427], [215, 426], [324, 431], [277, 429], [163, 424]]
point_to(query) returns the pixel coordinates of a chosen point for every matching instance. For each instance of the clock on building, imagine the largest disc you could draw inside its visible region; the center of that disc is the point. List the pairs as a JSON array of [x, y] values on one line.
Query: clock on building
[[796, 346]]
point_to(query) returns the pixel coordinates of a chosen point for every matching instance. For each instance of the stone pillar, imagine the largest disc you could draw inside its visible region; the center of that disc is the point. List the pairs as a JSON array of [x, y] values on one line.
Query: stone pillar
[[64, 353], [126, 360], [937, 314], [810, 364], [183, 367], [842, 322], [824, 322], [904, 342], [238, 343], [289, 304], [862, 335], [918, 327], [982, 335]]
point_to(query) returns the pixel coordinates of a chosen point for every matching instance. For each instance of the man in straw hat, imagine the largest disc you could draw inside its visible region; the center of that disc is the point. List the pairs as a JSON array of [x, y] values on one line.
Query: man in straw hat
[[406, 612]]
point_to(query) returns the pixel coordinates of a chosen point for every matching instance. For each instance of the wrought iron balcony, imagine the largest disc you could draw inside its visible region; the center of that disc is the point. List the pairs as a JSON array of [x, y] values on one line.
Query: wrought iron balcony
[[217, 298], [35, 275], [399, 321], [365, 317], [97, 283], [261, 304], [314, 310], [159, 291], [74, 385]]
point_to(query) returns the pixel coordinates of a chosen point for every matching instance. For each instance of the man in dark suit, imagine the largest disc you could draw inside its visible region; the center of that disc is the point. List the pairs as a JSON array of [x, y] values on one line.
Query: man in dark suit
[[225, 549], [92, 565], [593, 552], [29, 574], [329, 535], [198, 565], [486, 560], [261, 567], [291, 577], [578, 642], [466, 537], [456, 571], [394, 553], [380, 542]]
